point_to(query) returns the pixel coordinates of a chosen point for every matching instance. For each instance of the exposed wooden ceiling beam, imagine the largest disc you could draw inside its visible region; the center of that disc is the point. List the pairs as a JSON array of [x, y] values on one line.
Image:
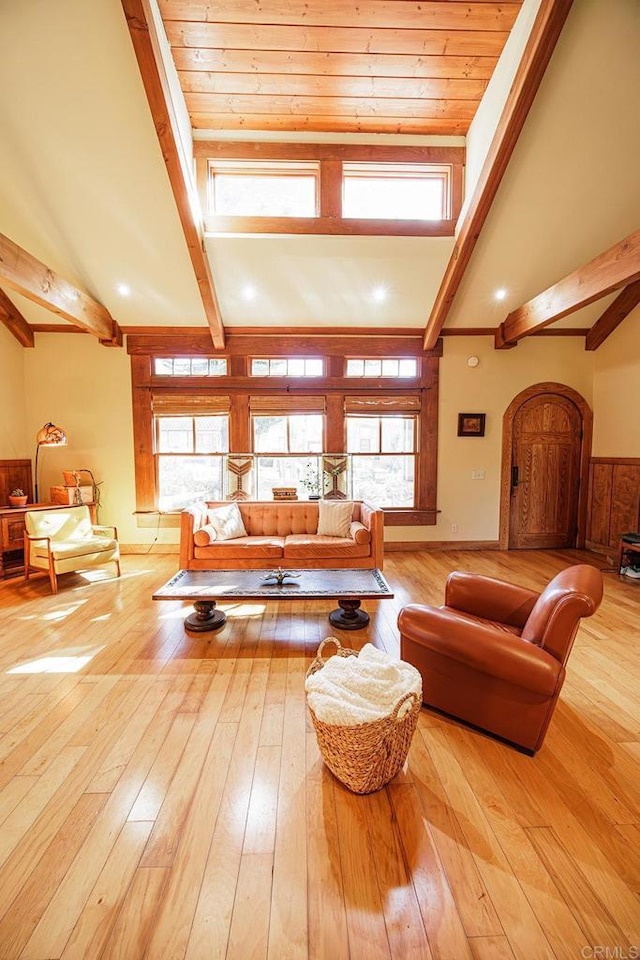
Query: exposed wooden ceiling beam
[[15, 322], [616, 267], [148, 52], [20, 271], [613, 316], [537, 53]]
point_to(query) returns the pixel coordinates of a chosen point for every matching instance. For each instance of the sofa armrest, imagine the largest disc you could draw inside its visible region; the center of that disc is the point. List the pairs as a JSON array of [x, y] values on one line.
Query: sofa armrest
[[489, 598], [481, 647], [373, 519], [191, 519]]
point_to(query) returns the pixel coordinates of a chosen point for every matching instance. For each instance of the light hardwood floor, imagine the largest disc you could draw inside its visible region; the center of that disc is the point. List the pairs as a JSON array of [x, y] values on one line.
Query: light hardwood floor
[[162, 796]]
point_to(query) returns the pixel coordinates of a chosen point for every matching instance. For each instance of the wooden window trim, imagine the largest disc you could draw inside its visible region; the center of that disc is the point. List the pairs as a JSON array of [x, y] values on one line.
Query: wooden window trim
[[331, 158], [240, 386]]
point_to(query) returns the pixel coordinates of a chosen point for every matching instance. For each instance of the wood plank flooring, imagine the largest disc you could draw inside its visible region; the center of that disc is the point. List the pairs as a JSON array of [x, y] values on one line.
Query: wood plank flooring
[[162, 795]]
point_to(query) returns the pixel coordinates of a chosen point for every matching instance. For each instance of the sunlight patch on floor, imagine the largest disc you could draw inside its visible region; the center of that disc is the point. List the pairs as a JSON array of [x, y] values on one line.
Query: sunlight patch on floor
[[70, 661]]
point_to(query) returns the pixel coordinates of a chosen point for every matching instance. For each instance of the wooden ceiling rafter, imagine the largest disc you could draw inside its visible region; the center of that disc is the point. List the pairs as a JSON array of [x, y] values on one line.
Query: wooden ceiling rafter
[[610, 270], [15, 322], [148, 53], [22, 272], [536, 56], [613, 316]]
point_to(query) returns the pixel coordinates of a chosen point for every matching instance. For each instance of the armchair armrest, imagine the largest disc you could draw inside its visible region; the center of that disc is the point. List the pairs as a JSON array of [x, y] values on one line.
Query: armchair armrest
[[482, 648], [489, 598], [98, 527]]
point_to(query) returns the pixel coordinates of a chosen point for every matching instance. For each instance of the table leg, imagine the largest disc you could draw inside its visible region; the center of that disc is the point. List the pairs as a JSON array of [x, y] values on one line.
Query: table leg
[[205, 617], [349, 616]]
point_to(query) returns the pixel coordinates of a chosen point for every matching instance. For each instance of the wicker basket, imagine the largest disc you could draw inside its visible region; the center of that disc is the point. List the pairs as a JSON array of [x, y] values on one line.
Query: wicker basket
[[365, 756]]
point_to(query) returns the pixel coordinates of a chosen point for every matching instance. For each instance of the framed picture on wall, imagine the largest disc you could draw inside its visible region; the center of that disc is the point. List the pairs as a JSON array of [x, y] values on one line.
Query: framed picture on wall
[[471, 424]]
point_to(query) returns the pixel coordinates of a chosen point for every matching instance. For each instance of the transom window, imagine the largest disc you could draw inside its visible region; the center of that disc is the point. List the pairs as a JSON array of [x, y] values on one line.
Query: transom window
[[287, 367], [188, 461], [382, 367], [407, 191], [383, 452], [270, 189], [190, 366]]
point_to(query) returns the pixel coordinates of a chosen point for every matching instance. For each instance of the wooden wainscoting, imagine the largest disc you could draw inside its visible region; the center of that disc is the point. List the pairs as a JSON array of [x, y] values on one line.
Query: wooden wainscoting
[[614, 501], [162, 795]]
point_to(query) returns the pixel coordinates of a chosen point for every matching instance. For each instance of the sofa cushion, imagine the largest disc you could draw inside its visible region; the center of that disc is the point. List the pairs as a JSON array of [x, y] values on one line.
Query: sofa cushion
[[227, 522], [300, 546], [242, 548], [334, 518]]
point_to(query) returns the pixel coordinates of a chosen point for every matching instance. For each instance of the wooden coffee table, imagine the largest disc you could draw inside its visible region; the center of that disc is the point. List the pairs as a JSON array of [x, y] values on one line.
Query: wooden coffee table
[[206, 587]]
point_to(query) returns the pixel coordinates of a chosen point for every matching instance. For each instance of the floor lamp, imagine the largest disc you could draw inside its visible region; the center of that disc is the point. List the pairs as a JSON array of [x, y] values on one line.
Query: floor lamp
[[49, 436]]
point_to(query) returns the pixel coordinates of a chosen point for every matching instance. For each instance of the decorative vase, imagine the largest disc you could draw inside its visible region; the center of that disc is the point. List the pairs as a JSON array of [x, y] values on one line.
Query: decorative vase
[[18, 501]]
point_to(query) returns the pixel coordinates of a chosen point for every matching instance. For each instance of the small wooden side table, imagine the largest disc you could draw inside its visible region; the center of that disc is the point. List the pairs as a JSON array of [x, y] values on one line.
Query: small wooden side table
[[12, 534], [628, 546]]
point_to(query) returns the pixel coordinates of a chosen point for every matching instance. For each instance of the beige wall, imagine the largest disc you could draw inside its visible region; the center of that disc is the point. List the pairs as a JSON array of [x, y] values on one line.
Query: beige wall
[[474, 505], [616, 426], [13, 434], [86, 389]]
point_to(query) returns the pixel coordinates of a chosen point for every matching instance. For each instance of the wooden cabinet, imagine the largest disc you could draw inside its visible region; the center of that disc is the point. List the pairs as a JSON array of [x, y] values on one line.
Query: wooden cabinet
[[12, 534], [614, 502]]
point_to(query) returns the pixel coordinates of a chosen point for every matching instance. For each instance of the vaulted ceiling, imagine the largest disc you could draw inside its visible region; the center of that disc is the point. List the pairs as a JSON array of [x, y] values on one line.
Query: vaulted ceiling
[[83, 174]]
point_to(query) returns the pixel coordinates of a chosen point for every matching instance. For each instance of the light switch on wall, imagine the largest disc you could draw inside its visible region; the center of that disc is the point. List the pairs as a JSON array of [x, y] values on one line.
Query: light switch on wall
[[477, 474]]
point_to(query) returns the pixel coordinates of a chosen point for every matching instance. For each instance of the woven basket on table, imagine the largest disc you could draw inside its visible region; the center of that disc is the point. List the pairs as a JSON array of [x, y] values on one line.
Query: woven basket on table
[[365, 756]]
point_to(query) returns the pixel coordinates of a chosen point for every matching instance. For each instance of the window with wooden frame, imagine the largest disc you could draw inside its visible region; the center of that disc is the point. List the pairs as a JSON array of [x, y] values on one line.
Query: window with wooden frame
[[190, 366], [396, 191], [388, 434], [272, 188], [382, 367], [285, 431], [327, 188], [190, 435], [287, 367], [382, 441]]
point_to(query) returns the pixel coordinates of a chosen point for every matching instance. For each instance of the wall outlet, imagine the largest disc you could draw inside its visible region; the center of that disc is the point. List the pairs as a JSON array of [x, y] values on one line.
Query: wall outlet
[[477, 474], [454, 528]]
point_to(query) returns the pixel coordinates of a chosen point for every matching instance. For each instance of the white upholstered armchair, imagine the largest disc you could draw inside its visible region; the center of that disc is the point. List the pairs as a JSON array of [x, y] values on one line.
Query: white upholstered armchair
[[63, 540]]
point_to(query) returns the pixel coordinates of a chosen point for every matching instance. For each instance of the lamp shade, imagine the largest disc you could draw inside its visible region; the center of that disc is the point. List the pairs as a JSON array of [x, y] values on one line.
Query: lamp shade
[[51, 436]]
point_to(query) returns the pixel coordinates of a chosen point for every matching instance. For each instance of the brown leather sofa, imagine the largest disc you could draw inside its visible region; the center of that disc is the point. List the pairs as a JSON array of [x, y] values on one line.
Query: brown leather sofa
[[284, 534], [494, 655]]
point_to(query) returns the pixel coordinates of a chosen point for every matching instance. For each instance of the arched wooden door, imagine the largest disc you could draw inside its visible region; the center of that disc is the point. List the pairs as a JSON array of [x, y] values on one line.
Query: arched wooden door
[[545, 473]]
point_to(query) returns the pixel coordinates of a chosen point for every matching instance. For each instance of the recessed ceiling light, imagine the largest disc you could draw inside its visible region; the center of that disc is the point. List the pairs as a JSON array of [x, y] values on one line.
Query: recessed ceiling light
[[249, 292], [500, 294], [379, 294], [123, 289]]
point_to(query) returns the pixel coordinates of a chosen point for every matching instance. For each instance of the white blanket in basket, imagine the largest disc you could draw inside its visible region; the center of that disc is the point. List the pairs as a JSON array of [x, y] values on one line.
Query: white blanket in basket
[[352, 690]]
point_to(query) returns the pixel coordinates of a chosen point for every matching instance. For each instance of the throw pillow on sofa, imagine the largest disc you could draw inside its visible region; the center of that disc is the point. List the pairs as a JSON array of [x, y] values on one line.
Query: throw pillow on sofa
[[205, 535], [227, 522], [334, 518]]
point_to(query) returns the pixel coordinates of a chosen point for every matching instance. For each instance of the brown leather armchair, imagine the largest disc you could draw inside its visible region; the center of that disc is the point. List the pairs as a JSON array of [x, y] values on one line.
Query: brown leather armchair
[[494, 655]]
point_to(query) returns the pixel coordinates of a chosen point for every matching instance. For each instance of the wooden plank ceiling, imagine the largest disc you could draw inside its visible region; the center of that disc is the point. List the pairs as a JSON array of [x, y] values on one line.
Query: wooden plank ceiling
[[378, 66]]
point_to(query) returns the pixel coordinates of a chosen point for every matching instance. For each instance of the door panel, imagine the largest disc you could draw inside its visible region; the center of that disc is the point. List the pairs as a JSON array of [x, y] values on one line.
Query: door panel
[[547, 434]]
